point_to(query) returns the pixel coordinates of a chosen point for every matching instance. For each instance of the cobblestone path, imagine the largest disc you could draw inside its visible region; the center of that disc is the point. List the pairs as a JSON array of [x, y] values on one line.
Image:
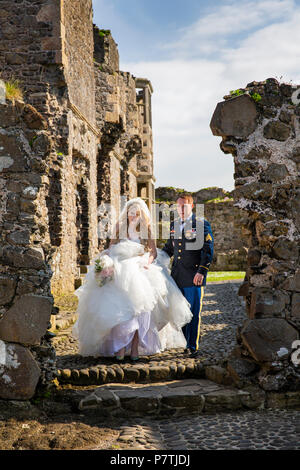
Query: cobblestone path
[[222, 313], [265, 429]]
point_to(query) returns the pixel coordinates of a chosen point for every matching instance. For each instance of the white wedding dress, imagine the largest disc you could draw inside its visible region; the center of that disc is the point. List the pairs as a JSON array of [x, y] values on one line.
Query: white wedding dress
[[147, 300]]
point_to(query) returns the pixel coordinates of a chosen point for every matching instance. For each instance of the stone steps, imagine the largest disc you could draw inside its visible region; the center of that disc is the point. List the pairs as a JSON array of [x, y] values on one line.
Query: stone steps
[[64, 322], [178, 397], [126, 373]]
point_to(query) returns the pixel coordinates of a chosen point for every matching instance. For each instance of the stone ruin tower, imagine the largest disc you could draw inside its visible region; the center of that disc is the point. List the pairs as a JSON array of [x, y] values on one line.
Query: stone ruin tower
[[82, 137]]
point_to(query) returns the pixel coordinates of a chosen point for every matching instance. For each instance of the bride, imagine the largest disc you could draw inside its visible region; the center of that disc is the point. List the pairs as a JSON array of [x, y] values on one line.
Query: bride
[[130, 305]]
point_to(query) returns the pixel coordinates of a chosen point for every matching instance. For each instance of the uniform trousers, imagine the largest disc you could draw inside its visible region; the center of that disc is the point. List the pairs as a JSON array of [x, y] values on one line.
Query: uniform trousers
[[191, 331]]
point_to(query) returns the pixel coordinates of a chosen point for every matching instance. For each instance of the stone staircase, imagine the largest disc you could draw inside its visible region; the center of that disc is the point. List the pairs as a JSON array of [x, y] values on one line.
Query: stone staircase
[[164, 399], [166, 384]]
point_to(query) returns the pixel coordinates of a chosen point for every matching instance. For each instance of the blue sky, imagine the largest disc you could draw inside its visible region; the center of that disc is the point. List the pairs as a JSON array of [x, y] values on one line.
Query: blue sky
[[194, 52], [145, 25]]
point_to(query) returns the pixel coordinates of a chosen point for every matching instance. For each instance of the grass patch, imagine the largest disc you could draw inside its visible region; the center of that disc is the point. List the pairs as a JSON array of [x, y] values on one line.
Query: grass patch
[[219, 199], [13, 90], [104, 32], [225, 275], [66, 302]]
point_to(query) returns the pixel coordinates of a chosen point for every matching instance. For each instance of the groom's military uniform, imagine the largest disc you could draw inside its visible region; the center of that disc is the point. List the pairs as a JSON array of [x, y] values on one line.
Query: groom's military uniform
[[191, 243]]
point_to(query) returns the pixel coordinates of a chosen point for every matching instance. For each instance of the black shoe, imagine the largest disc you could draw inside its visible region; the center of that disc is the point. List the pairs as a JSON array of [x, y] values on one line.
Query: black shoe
[[195, 354], [187, 350], [49, 335]]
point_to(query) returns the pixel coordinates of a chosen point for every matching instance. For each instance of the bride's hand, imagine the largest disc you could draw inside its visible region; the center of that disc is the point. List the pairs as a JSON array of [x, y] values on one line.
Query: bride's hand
[[150, 261]]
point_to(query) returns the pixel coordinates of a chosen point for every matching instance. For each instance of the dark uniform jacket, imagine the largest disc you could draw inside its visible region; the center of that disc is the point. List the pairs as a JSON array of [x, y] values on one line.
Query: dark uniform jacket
[[187, 262]]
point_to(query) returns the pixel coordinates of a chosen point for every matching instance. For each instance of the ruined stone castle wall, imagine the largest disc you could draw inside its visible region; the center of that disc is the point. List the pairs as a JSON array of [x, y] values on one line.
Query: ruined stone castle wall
[[118, 122], [49, 48], [260, 128]]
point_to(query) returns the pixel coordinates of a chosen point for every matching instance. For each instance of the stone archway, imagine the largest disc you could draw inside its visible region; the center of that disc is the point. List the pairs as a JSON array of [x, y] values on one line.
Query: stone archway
[[260, 128]]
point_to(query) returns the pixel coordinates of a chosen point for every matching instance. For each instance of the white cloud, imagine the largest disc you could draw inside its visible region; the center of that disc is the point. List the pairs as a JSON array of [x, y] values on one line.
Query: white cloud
[[211, 33], [187, 90]]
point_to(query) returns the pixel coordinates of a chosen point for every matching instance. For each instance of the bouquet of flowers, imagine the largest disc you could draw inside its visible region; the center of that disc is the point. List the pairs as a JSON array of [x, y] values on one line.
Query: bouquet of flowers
[[104, 270]]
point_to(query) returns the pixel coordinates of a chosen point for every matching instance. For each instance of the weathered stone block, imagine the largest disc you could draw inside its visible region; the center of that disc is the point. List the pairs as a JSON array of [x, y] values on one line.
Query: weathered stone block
[[140, 401], [183, 398], [296, 305], [218, 374], [255, 399], [32, 258], [257, 153], [264, 337], [285, 249], [274, 172], [42, 144], [296, 155], [27, 320], [20, 237], [267, 301], [7, 289], [244, 289], [285, 116], [9, 115], [293, 282], [224, 400], [159, 373], [239, 368], [277, 130], [12, 154], [108, 398], [235, 117], [283, 400], [33, 118], [253, 257], [256, 191], [19, 372], [245, 169]]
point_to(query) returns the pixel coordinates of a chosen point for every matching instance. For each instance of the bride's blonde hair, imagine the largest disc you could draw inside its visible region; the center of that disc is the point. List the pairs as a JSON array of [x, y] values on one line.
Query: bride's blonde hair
[[121, 229]]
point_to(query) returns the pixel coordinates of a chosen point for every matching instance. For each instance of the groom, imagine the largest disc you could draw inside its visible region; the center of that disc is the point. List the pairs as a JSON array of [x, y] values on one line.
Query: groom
[[191, 244]]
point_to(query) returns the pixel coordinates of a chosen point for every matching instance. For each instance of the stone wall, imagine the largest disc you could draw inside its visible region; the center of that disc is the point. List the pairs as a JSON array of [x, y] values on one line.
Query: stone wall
[[202, 196], [260, 128], [25, 248], [50, 50]]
